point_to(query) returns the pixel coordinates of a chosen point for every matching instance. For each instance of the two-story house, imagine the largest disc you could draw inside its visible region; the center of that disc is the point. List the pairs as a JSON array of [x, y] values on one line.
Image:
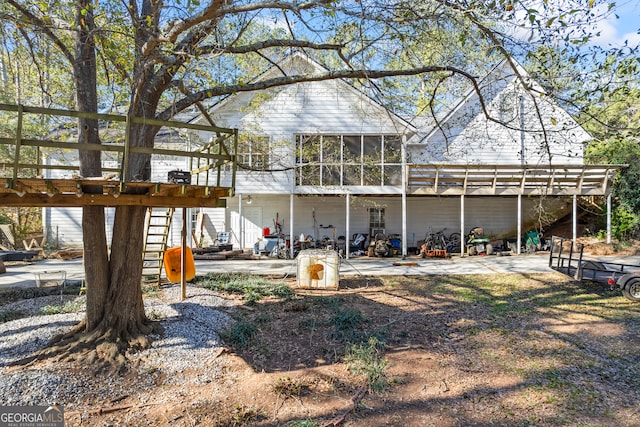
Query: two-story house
[[323, 159]]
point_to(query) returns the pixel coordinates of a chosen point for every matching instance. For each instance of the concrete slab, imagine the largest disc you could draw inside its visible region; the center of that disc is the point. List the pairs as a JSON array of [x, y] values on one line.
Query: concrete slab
[[25, 274]]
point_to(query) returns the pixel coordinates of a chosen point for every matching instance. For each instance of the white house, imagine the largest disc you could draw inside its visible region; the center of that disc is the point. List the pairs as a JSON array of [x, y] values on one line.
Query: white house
[[324, 159], [339, 158]]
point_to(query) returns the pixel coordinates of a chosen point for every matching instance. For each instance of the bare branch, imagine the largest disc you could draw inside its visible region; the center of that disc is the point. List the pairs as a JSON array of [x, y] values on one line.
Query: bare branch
[[265, 44], [301, 78], [179, 27]]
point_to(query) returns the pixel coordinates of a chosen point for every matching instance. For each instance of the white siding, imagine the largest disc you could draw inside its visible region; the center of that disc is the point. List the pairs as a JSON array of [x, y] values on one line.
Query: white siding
[[329, 107], [214, 221], [522, 136], [63, 226]]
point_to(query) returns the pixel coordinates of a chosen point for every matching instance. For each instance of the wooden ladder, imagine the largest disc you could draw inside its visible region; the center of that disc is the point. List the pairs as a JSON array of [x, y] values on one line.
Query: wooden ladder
[[158, 223]]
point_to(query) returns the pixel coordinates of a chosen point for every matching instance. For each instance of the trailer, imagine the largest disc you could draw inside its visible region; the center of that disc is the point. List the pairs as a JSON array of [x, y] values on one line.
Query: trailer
[[567, 257]]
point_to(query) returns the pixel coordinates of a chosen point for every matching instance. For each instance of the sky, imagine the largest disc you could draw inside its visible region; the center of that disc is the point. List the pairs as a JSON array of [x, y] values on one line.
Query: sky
[[615, 31]]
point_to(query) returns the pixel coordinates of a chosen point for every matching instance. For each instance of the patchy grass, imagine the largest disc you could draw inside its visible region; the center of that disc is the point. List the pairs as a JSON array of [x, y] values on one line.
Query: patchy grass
[[9, 315], [513, 349], [508, 350], [252, 287], [70, 307], [239, 335], [364, 360]]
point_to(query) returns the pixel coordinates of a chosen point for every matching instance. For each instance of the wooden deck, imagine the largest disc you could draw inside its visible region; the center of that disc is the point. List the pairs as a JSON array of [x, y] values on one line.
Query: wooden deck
[[503, 180], [39, 192], [26, 180]]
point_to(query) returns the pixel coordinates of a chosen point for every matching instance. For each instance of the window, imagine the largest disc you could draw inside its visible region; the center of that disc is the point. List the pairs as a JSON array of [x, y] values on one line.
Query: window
[[372, 160], [348, 160], [392, 160], [308, 157], [376, 222], [254, 152]]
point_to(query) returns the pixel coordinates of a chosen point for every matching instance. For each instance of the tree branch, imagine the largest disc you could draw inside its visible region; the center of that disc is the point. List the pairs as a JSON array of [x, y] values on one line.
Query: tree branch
[[179, 27], [302, 78], [42, 26], [265, 44]]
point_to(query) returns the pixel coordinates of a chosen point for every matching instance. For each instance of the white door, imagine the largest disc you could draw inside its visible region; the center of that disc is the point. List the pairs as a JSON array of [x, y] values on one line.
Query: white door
[[252, 225]]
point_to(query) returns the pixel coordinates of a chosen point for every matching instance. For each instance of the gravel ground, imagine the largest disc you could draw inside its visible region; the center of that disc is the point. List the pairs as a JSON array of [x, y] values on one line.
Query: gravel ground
[[189, 341]]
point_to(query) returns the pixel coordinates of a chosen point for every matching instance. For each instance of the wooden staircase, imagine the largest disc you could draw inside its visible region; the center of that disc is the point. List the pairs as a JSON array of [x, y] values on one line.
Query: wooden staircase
[[158, 223]]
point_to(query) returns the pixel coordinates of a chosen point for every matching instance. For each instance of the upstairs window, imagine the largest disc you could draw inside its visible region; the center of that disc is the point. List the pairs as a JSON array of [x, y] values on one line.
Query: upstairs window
[[254, 152]]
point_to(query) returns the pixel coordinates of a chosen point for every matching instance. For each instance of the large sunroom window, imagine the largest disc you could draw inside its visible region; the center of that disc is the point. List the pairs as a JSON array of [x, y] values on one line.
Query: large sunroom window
[[327, 160]]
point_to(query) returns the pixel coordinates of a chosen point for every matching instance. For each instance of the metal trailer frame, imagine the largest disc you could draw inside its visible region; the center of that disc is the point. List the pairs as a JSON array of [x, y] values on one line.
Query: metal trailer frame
[[567, 257]]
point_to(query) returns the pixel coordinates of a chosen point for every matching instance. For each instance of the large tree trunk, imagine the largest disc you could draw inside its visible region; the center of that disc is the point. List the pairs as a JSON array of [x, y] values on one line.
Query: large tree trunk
[[96, 264], [93, 218], [124, 311], [115, 319]]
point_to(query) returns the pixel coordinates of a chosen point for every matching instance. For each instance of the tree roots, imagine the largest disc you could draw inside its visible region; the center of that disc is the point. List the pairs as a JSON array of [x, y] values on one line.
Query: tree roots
[[105, 348]]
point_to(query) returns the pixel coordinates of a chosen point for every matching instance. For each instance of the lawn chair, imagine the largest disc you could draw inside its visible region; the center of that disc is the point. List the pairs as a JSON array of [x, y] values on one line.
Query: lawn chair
[[222, 241]]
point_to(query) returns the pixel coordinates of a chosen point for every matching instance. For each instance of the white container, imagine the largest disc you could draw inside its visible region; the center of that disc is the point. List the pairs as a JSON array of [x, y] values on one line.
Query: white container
[[318, 269]]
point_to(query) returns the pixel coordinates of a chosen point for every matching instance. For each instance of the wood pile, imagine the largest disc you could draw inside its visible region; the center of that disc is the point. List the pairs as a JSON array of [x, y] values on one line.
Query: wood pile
[[67, 254], [218, 255]]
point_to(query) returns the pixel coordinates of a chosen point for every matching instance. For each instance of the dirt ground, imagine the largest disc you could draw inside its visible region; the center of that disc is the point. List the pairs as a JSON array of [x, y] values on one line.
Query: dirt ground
[[516, 350]]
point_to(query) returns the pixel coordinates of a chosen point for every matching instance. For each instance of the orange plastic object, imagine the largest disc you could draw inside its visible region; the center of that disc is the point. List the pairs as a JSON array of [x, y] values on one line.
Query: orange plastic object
[[172, 265]]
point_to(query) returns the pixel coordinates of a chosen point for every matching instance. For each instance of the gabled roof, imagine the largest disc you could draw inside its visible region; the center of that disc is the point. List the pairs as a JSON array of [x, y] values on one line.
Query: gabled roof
[[491, 85], [297, 62]]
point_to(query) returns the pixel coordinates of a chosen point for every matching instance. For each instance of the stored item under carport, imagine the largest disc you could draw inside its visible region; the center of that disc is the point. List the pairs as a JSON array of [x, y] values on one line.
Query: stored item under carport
[[477, 243], [179, 177]]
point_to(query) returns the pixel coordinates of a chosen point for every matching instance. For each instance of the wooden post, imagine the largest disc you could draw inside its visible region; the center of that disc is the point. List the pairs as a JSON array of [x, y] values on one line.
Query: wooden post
[[16, 159], [125, 154], [183, 257], [574, 225]]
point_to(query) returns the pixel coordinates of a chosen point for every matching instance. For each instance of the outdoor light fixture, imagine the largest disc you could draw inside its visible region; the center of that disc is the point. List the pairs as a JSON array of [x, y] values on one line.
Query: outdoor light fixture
[[249, 200]]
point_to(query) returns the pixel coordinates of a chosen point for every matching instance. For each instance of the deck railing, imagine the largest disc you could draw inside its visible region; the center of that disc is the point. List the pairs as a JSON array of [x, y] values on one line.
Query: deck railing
[[453, 179], [212, 159]]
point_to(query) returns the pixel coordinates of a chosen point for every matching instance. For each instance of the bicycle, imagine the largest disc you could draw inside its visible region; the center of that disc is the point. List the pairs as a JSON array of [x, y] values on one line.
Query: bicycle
[[454, 242]]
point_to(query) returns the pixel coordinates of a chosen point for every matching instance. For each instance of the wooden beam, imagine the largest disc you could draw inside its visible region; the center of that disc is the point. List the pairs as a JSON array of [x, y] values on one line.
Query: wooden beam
[[84, 199]]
